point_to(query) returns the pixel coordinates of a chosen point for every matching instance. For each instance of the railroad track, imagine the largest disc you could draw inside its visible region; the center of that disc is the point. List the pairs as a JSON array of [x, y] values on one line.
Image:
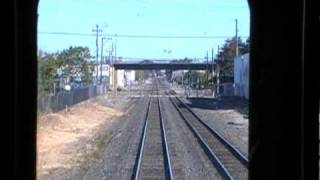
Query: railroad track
[[230, 163], [153, 159]]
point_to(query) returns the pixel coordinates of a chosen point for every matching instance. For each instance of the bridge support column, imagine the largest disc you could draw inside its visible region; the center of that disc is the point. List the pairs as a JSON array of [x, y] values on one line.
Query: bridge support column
[[115, 80]]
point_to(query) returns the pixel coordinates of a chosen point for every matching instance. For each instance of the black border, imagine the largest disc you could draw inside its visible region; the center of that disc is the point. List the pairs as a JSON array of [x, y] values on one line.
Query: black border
[[284, 89]]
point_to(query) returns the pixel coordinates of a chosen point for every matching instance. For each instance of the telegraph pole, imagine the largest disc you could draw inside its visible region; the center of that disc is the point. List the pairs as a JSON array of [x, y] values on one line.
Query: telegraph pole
[[103, 38], [236, 37], [212, 71], [115, 48], [112, 53], [110, 80], [218, 72], [101, 59], [97, 30], [212, 59], [207, 73], [110, 64]]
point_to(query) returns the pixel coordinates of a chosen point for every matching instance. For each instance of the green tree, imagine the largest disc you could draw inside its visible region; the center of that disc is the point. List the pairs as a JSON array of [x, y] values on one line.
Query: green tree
[[139, 75], [74, 63], [47, 68], [244, 46], [196, 78], [185, 60], [227, 55]]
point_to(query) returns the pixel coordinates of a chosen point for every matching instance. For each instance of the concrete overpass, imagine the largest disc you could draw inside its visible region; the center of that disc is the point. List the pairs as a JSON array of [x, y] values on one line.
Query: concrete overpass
[[157, 66], [160, 66]]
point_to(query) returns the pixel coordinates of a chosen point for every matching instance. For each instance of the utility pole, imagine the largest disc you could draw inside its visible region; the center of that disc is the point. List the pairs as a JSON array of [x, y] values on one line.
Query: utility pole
[[101, 59], [212, 73], [207, 73], [97, 30], [236, 37], [188, 82], [218, 71], [110, 80], [112, 53], [110, 64], [198, 82], [182, 82], [115, 48]]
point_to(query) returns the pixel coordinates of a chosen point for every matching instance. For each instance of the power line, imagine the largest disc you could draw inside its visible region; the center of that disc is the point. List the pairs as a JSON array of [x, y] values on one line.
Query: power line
[[159, 59], [67, 33], [142, 36]]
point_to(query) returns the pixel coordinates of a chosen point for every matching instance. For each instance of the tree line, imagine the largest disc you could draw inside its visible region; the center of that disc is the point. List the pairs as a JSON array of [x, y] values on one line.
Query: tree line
[[73, 64], [224, 59]]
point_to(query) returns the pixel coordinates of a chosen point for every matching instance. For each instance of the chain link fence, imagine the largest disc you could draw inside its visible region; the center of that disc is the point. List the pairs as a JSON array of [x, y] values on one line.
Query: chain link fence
[[57, 102]]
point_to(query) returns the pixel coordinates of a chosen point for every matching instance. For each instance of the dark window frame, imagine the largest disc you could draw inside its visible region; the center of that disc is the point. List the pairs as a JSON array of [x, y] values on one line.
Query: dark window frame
[[283, 138]]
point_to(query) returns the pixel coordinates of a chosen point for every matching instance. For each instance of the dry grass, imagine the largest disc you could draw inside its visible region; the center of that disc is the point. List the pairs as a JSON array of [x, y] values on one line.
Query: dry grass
[[65, 139]]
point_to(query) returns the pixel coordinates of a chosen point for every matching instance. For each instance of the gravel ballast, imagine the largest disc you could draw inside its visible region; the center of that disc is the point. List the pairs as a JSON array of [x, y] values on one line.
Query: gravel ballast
[[118, 155], [231, 124], [117, 143], [189, 160]]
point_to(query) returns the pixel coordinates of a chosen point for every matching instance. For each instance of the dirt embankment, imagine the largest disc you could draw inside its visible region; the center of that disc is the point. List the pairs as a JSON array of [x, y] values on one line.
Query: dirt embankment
[[67, 139]]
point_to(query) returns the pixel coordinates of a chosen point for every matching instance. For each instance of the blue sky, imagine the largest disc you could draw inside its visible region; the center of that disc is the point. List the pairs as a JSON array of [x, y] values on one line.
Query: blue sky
[[142, 17]]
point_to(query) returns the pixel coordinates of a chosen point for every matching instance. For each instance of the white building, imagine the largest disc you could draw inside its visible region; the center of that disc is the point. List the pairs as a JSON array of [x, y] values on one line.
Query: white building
[[177, 74], [241, 76], [129, 76], [103, 71], [121, 78]]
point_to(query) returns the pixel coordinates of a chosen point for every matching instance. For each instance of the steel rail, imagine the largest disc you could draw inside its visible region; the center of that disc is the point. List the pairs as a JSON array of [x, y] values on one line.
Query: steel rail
[[138, 164], [137, 167], [166, 149], [212, 156], [227, 144]]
